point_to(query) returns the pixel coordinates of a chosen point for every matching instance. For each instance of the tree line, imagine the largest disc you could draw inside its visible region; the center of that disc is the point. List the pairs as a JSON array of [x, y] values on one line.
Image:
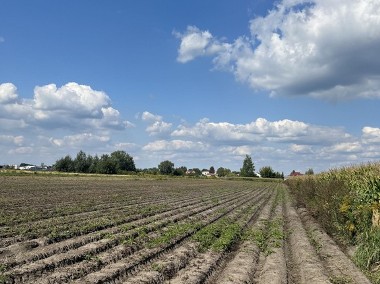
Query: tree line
[[120, 162]]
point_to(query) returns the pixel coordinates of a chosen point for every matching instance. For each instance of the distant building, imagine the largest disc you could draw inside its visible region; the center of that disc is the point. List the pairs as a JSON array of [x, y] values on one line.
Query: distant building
[[295, 174], [190, 172]]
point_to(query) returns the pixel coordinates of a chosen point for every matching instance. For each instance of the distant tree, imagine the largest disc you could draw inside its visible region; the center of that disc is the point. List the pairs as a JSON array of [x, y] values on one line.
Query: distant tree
[[248, 169], [222, 172], [212, 170], [181, 171], [124, 162], [106, 165], [309, 172], [197, 172], [166, 167], [82, 163], [151, 171], [267, 172], [65, 164], [94, 164]]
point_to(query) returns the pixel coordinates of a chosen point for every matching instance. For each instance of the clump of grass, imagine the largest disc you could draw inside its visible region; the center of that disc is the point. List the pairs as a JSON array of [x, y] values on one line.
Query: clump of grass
[[172, 232], [3, 278], [270, 236], [219, 236], [367, 255]]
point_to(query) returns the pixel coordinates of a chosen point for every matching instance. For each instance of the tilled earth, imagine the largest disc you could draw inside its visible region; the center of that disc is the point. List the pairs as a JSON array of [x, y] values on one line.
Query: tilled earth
[[115, 230]]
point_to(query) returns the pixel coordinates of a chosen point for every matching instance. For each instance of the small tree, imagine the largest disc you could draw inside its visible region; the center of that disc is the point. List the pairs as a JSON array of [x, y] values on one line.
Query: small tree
[[106, 165], [166, 167], [124, 162], [65, 164], [82, 162], [180, 171], [310, 171], [222, 172], [248, 169], [212, 170], [267, 172]]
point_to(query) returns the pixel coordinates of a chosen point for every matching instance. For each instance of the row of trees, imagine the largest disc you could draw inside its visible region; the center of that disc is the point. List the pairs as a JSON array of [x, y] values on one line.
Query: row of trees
[[117, 162], [120, 162]]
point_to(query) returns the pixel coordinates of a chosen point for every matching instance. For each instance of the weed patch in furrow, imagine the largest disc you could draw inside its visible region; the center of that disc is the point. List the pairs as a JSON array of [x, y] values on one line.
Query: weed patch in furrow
[[179, 257], [204, 264], [241, 265], [274, 268]]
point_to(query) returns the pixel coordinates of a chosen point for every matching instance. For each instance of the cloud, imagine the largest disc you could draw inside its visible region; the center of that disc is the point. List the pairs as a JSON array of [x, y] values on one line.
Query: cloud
[[17, 140], [74, 99], [147, 116], [261, 130], [175, 145], [323, 49], [371, 135], [69, 106], [8, 93], [194, 43], [80, 140], [21, 151], [157, 126]]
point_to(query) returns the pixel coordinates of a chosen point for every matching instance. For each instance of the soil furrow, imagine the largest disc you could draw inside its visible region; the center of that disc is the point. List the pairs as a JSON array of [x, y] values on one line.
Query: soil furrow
[[80, 254], [120, 269], [306, 266], [339, 266]]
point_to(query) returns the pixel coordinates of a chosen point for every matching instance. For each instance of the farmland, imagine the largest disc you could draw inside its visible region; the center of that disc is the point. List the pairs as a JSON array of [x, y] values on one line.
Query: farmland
[[75, 229]]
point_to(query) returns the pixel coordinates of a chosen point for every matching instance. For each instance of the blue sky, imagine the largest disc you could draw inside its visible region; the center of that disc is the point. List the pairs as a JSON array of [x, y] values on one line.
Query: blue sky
[[295, 84]]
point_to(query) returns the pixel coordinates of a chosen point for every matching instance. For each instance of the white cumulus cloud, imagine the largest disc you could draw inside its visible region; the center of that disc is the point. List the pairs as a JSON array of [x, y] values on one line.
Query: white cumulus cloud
[[371, 135], [8, 93], [323, 49], [195, 42], [157, 126], [175, 145], [260, 130], [69, 106]]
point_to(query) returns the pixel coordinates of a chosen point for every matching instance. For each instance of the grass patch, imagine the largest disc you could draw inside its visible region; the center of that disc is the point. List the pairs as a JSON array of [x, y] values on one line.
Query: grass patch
[[269, 237], [367, 255], [219, 236]]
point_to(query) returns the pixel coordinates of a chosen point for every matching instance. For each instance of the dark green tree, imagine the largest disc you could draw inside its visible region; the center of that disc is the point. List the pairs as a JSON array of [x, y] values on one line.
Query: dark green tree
[[248, 169], [309, 172], [222, 172], [197, 172], [94, 164], [181, 171], [267, 172], [124, 162], [166, 167], [212, 170], [82, 162], [106, 165], [65, 164]]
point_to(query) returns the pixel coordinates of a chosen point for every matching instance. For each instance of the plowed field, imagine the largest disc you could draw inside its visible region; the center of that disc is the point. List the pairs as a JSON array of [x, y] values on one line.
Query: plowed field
[[117, 230]]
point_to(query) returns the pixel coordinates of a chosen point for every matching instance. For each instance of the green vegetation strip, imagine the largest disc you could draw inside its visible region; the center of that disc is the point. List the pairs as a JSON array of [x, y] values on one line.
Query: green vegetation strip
[[346, 202]]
